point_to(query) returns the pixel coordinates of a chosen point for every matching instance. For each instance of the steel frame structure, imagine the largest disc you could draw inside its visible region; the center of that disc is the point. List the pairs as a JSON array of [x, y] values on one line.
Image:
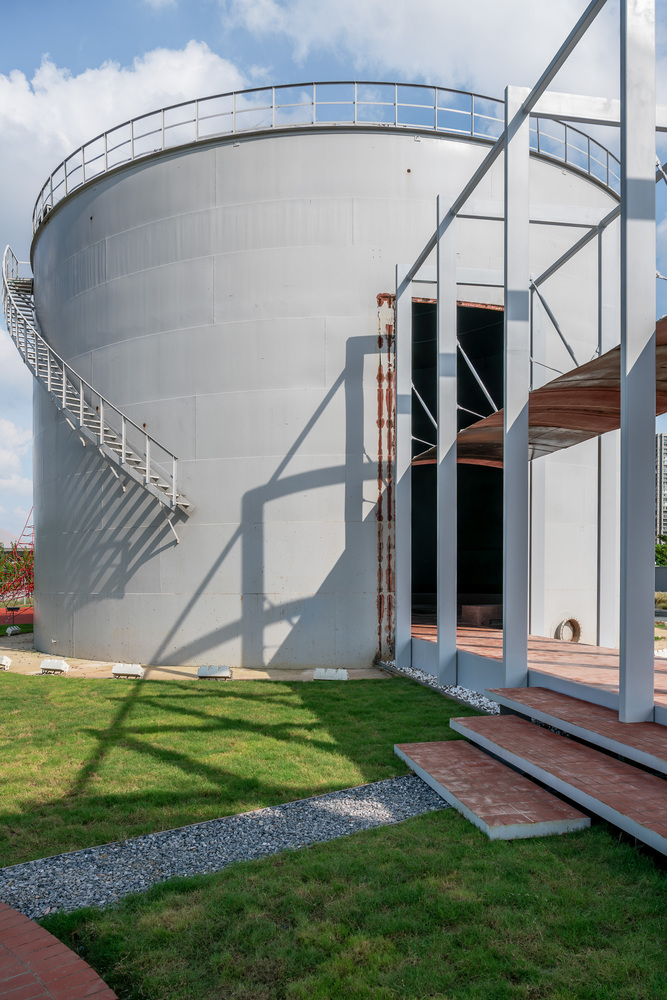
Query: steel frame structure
[[638, 119]]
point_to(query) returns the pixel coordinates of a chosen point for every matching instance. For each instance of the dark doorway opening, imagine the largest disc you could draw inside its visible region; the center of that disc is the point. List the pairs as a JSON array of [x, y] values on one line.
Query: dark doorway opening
[[480, 499]]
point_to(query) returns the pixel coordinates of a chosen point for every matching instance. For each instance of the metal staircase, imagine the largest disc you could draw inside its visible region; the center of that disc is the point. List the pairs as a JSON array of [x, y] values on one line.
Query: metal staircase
[[130, 451]]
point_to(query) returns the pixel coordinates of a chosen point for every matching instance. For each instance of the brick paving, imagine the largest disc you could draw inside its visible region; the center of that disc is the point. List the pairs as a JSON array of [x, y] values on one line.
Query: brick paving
[[647, 737], [504, 804], [613, 789], [34, 965], [573, 661]]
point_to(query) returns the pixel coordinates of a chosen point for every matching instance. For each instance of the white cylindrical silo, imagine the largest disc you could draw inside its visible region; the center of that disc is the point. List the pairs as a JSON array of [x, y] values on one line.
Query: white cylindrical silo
[[225, 295]]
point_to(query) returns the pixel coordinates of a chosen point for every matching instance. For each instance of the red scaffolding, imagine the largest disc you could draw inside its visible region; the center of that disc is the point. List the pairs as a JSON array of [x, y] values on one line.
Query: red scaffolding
[[18, 583]]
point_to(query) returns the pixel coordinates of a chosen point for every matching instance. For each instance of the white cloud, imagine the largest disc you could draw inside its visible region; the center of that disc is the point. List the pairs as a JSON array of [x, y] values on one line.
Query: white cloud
[[47, 117], [482, 44], [42, 120], [15, 485]]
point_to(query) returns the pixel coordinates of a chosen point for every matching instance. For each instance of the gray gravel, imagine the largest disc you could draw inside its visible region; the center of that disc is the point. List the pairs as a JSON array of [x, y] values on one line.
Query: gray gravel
[[99, 876], [473, 698]]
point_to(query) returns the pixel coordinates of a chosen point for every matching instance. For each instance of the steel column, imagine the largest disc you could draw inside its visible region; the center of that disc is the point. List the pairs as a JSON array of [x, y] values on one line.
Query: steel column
[[446, 439], [637, 358], [516, 493], [403, 578], [608, 454]]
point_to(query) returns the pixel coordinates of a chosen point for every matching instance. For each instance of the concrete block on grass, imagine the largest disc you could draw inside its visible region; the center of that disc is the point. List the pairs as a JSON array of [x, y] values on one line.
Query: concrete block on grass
[[54, 667], [134, 671], [214, 672]]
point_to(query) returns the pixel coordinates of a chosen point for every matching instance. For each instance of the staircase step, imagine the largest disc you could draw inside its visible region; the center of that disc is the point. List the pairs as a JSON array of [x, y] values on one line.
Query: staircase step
[[625, 796], [66, 392], [503, 804], [644, 743]]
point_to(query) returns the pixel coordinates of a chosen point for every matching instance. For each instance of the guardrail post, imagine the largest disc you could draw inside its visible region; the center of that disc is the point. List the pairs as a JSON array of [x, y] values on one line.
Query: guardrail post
[[174, 463], [147, 478], [123, 440], [101, 420]]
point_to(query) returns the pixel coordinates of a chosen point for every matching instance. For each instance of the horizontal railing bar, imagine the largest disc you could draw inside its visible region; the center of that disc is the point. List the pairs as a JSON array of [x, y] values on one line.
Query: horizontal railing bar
[[84, 158]]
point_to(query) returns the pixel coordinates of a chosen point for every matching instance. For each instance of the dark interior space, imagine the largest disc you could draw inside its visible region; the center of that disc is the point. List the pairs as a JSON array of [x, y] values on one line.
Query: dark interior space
[[480, 510]]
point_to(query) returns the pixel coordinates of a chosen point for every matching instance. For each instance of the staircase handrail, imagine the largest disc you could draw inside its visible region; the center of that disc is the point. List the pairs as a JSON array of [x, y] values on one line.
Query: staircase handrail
[[14, 318]]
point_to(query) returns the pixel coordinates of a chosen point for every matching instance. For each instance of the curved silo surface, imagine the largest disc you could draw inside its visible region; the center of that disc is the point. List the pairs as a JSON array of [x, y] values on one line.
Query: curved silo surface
[[224, 295]]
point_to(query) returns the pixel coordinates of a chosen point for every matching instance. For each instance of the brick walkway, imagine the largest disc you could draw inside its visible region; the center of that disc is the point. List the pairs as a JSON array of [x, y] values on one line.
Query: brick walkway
[[34, 965], [502, 803], [573, 661]]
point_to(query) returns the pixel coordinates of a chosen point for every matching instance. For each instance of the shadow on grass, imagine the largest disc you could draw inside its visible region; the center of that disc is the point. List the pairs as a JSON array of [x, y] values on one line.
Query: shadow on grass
[[173, 753]]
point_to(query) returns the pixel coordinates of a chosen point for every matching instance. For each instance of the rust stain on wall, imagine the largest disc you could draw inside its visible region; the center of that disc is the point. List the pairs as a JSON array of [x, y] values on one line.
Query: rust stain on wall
[[386, 452]]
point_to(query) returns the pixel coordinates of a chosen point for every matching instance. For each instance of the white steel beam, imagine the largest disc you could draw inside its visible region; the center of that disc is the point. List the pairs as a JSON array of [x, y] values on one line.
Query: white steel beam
[[531, 100], [637, 359], [578, 108], [608, 450], [403, 579], [447, 501], [568, 46], [589, 110], [579, 245], [516, 496]]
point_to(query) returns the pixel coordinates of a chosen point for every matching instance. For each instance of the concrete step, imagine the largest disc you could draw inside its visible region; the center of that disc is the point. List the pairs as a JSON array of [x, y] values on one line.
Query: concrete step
[[625, 796], [643, 743], [503, 804]]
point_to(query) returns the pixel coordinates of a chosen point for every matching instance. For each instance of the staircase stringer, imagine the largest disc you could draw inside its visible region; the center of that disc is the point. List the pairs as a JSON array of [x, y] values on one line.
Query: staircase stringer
[[128, 449]]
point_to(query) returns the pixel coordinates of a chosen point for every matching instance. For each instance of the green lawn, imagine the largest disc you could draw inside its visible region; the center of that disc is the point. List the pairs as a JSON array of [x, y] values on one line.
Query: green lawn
[[427, 908], [85, 762]]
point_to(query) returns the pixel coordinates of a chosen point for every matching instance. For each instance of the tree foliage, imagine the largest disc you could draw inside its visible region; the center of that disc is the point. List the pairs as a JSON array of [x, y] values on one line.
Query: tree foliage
[[661, 551]]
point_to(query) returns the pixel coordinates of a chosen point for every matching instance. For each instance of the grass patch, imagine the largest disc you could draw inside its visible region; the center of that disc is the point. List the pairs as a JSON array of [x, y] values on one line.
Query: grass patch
[[427, 908], [85, 762], [661, 600], [26, 629]]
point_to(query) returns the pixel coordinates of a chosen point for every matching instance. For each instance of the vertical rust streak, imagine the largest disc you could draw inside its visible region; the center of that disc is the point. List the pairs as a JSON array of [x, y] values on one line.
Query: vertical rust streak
[[379, 511], [391, 449]]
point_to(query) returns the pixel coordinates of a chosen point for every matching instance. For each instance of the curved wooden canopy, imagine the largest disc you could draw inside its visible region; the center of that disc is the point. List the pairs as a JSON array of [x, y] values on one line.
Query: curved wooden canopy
[[574, 407]]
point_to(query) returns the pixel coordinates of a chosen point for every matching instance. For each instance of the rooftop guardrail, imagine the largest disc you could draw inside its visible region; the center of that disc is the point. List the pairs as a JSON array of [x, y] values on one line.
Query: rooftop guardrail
[[383, 105]]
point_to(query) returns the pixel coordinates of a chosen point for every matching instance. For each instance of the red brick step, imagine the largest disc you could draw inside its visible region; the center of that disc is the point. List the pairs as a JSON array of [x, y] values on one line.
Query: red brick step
[[625, 796], [502, 803], [643, 742]]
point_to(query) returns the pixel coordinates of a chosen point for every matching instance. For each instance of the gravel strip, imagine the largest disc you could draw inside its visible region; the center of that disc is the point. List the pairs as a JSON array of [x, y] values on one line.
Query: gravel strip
[[465, 695], [100, 876]]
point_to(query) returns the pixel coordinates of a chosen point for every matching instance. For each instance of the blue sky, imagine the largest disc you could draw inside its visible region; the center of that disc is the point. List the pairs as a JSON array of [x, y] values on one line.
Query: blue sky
[[71, 69]]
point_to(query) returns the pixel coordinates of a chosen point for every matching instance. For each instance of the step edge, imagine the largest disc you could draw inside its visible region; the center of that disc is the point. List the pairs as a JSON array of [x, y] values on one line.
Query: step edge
[[635, 754], [574, 689], [584, 799], [510, 831]]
